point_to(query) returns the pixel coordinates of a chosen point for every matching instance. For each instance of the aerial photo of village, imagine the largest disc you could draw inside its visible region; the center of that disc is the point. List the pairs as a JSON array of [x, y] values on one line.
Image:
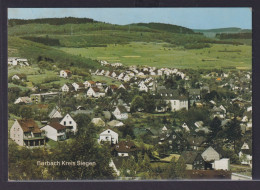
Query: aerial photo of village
[[130, 94]]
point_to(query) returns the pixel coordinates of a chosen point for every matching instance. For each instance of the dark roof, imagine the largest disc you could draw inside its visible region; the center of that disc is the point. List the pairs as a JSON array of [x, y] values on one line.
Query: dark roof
[[29, 125], [96, 89], [196, 141], [57, 126], [125, 146], [189, 156]]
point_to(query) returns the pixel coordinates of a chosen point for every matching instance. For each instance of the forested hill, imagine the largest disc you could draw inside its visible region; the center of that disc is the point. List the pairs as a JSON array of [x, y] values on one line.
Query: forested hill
[[165, 27], [224, 30], [51, 21]]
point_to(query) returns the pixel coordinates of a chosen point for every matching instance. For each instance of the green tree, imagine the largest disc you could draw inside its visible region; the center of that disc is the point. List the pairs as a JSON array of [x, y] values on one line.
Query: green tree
[[137, 103], [233, 131], [26, 112]]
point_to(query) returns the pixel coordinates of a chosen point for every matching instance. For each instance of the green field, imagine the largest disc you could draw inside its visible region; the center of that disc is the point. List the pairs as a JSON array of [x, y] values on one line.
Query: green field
[[157, 54]]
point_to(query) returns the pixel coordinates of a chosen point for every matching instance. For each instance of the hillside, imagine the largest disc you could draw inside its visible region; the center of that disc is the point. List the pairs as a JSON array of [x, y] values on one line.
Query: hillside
[[77, 42], [166, 27]]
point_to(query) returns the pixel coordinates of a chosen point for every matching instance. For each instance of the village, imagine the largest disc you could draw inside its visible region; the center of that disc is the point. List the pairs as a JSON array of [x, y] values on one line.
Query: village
[[200, 118]]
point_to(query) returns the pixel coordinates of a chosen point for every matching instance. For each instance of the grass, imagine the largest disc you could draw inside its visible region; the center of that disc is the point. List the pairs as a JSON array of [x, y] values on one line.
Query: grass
[[155, 54], [107, 80]]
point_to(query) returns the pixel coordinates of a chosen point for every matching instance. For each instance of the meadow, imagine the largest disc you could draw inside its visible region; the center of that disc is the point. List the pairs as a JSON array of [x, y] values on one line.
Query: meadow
[[163, 55]]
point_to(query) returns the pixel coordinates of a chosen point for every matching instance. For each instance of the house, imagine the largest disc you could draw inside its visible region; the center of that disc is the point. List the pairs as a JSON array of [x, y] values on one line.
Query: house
[[65, 73], [26, 132], [78, 86], [25, 100], [120, 113], [173, 99], [21, 77], [143, 87], [113, 88], [70, 124], [124, 148], [14, 61], [193, 160], [98, 122], [89, 84], [209, 156], [245, 154], [55, 131], [108, 135], [55, 113], [95, 92]]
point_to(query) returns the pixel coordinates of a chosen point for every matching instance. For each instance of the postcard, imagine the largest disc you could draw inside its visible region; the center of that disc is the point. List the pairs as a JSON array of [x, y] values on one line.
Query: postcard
[[129, 94]]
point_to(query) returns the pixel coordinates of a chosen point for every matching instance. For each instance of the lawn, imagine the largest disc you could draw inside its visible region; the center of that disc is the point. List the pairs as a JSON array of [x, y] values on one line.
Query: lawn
[[156, 54]]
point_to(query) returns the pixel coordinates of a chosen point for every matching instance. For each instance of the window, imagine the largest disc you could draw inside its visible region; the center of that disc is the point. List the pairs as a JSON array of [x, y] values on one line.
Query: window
[[70, 122], [64, 122], [108, 131]]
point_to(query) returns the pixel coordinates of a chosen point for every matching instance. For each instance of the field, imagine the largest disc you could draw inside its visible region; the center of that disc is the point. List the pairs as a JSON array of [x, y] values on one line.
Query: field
[[159, 55]]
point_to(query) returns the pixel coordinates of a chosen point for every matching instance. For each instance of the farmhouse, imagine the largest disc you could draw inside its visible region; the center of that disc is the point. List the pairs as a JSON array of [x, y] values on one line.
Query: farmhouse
[[245, 154], [55, 131], [25, 132]]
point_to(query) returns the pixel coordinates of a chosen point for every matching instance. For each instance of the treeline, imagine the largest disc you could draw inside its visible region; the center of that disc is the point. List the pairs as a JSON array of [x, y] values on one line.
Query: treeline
[[246, 35], [46, 41], [51, 21], [167, 27]]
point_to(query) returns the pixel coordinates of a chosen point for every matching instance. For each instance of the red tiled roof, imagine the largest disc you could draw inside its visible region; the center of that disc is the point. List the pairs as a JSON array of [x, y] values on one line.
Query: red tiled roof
[[57, 126]]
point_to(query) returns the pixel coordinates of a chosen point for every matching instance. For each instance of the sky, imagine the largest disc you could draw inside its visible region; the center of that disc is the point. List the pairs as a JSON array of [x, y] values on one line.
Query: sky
[[194, 18]]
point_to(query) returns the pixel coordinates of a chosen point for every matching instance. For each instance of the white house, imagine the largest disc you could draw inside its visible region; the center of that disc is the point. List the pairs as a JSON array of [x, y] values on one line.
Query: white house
[[65, 73], [65, 88], [245, 154], [143, 87], [120, 113], [70, 124], [55, 131], [78, 86], [95, 92], [25, 100], [15, 77], [25, 132], [108, 135], [210, 154], [89, 84], [178, 103], [55, 113]]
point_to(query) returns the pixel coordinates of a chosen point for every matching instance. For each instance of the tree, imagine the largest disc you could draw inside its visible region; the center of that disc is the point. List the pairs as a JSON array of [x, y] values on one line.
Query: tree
[[215, 128], [137, 103], [233, 131], [176, 169], [26, 112]]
